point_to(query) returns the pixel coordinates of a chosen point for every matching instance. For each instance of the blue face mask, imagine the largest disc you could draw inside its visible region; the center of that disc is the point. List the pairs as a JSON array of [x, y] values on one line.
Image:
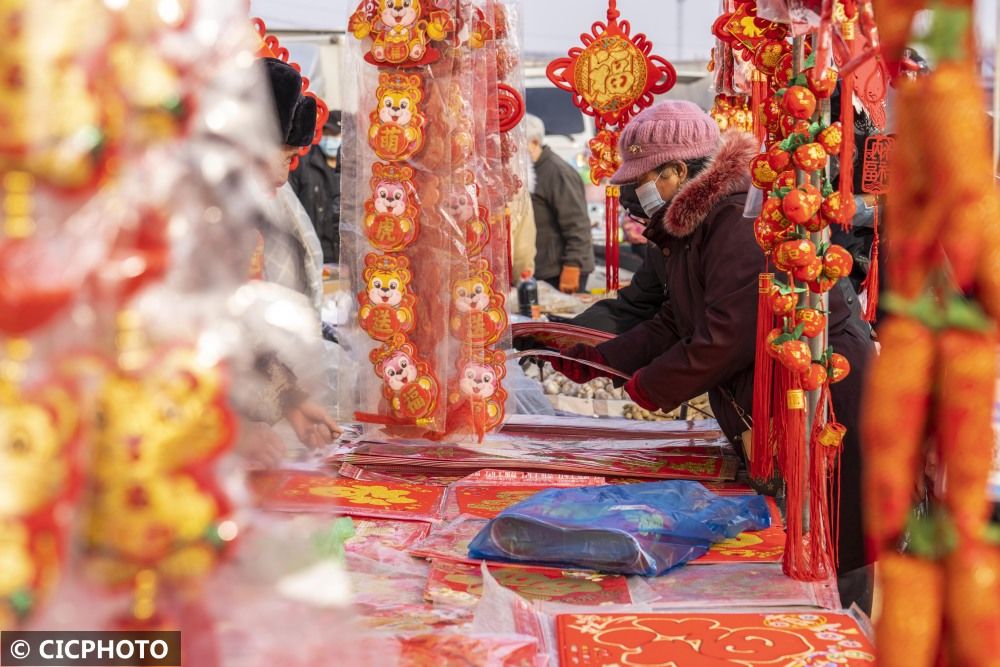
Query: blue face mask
[[330, 146]]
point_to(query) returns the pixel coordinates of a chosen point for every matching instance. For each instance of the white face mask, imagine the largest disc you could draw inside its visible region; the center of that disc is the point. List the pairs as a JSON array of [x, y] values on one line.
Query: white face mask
[[649, 197]]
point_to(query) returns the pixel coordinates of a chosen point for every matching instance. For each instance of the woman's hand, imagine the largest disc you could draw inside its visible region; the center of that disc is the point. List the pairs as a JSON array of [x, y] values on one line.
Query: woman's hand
[[312, 424]]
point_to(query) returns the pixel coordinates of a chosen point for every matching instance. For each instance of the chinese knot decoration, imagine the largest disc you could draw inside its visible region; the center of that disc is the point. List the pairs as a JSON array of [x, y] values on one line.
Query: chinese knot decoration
[[612, 77]]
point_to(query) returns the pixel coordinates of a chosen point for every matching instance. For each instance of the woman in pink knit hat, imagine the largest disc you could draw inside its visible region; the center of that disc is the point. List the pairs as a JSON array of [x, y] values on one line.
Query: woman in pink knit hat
[[692, 183]]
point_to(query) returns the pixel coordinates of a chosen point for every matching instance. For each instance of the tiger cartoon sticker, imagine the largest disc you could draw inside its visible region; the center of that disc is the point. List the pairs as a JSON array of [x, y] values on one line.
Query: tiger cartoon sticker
[[392, 213], [479, 315], [387, 303], [408, 384], [397, 125]]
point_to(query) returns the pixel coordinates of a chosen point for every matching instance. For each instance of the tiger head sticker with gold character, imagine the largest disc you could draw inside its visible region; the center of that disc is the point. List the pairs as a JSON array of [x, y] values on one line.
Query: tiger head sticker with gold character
[[155, 504], [479, 401], [462, 205], [408, 383], [479, 314], [38, 430], [397, 124], [400, 30], [387, 305], [393, 211]]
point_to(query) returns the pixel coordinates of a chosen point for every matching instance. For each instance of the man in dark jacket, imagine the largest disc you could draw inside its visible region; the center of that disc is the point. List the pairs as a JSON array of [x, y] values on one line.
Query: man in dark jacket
[[703, 338], [317, 184], [565, 255]]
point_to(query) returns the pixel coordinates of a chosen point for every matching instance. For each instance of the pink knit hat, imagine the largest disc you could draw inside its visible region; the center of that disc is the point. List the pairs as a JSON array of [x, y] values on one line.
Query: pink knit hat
[[669, 130]]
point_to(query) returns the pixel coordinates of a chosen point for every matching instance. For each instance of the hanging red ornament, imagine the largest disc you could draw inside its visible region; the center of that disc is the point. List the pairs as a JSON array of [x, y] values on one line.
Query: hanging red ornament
[[799, 102], [823, 85], [814, 377], [761, 173], [612, 77], [812, 321], [795, 355], [809, 271], [837, 262], [840, 367], [831, 138], [810, 157], [802, 203]]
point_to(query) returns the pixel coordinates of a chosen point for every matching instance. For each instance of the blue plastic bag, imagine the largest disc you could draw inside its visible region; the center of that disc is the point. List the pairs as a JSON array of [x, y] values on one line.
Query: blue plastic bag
[[628, 529]]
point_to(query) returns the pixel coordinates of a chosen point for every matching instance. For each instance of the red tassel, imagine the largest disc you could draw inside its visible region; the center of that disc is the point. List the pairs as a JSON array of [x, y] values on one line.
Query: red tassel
[[762, 452], [871, 281], [758, 94], [612, 256], [510, 248], [847, 148], [823, 502], [793, 449]]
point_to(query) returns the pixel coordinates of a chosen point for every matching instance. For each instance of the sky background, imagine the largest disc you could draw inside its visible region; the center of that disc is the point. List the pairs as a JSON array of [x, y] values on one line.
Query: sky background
[[552, 26]]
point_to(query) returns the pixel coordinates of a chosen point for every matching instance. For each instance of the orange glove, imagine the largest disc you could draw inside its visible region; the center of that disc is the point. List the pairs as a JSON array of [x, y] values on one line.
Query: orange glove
[[569, 279]]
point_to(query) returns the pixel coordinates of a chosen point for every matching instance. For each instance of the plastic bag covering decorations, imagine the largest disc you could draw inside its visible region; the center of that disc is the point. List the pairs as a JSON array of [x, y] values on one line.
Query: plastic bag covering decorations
[[130, 191], [641, 529], [434, 158]]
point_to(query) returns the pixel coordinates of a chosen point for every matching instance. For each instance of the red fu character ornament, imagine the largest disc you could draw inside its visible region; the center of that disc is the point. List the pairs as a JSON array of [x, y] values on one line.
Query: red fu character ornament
[[612, 78]]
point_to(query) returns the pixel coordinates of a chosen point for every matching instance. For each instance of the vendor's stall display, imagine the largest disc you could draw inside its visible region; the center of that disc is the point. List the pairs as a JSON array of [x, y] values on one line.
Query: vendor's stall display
[[569, 427], [461, 584], [487, 493], [738, 585], [612, 77], [450, 541], [310, 492], [713, 640], [931, 391], [437, 159], [704, 459], [628, 529]]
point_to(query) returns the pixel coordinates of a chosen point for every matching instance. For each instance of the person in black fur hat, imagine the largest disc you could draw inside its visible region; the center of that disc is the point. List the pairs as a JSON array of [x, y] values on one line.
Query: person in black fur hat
[[292, 258], [295, 112]]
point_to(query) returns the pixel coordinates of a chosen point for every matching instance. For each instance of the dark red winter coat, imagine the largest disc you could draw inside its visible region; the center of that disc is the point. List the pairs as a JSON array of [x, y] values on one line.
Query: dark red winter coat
[[703, 338]]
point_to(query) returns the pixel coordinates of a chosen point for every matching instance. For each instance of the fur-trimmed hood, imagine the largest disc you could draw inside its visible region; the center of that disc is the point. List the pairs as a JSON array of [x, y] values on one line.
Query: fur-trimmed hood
[[727, 174]]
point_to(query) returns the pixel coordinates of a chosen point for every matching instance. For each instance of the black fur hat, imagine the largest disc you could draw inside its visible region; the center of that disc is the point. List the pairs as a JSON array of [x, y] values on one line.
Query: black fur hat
[[296, 112]]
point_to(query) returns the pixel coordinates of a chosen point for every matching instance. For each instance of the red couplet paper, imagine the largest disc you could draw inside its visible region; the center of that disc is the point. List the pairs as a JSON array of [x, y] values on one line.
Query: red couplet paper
[[462, 584], [311, 492], [713, 640]]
